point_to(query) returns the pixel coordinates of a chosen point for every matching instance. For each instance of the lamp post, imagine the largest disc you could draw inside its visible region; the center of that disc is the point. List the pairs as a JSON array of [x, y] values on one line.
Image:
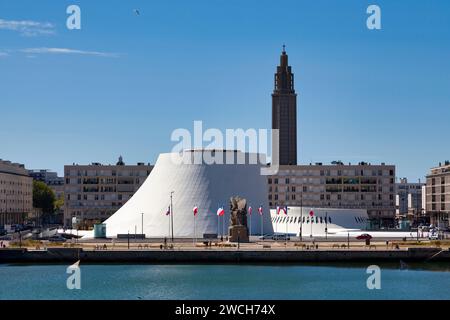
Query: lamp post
[[326, 225], [301, 216], [6, 204], [142, 224], [171, 212]]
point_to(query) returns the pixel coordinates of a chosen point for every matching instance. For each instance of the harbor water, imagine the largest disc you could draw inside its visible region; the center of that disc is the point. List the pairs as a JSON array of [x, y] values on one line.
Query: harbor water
[[118, 281]]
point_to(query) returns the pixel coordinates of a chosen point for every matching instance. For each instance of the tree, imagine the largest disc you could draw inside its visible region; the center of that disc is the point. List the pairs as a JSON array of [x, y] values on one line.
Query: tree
[[59, 203], [43, 198]]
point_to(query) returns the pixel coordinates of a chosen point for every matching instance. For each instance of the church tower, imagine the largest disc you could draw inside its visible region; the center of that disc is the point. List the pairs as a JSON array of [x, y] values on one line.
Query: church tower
[[284, 114]]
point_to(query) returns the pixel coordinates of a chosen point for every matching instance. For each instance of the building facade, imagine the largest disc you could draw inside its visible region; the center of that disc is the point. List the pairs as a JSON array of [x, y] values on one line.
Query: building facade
[[16, 193], [362, 186], [284, 114], [438, 195], [94, 192], [409, 198]]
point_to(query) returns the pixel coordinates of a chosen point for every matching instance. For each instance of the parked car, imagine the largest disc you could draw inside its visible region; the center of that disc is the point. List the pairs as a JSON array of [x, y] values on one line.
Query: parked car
[[57, 238], [265, 237], [281, 237], [433, 236], [364, 236]]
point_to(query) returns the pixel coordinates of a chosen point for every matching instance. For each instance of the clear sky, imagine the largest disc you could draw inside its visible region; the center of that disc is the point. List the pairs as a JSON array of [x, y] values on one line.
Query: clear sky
[[124, 82]]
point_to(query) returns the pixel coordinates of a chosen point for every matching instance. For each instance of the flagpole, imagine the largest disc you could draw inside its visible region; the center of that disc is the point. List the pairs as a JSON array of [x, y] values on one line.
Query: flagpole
[[251, 224], [262, 224], [301, 217], [223, 224], [287, 220], [195, 233]]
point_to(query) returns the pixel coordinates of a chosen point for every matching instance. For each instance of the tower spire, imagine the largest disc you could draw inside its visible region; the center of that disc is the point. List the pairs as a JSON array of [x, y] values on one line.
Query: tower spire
[[284, 113]]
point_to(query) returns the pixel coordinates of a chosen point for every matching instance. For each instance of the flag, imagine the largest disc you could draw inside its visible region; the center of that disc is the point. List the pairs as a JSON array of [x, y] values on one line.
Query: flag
[[260, 210], [168, 211], [250, 210], [285, 210], [278, 210], [311, 213], [195, 210], [220, 211]]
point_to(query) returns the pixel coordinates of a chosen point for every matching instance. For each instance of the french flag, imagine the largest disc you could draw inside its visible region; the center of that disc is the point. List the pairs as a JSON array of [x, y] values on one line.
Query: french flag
[[260, 210], [195, 210], [278, 210], [220, 211], [285, 210]]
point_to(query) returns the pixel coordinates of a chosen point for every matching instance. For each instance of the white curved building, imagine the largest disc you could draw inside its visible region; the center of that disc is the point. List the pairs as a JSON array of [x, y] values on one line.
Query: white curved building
[[323, 221], [194, 182]]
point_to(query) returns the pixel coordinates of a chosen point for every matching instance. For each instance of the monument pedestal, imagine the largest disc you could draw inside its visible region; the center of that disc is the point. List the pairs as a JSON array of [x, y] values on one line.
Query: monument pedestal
[[238, 234]]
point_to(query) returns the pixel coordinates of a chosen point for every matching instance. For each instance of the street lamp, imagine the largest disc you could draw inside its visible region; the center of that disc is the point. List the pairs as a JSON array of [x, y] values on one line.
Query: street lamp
[[171, 212], [142, 225], [301, 216]]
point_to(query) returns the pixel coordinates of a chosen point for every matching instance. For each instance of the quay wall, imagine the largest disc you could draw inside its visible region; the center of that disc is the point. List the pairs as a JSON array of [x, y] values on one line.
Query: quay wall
[[71, 255]]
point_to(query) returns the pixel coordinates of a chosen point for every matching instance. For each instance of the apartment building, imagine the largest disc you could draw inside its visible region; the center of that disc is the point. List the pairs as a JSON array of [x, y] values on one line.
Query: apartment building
[[409, 198], [438, 194], [94, 192], [16, 193], [362, 186]]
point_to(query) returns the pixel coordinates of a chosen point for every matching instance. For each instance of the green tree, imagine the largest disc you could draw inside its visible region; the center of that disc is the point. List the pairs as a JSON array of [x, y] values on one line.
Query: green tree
[[59, 203], [43, 198]]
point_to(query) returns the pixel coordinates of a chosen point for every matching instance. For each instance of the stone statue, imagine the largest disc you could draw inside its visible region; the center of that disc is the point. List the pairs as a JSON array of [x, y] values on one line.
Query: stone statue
[[238, 210], [238, 230]]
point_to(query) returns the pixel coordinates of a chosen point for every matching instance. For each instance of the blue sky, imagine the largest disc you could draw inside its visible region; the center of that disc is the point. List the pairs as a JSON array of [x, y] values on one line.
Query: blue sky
[[129, 81]]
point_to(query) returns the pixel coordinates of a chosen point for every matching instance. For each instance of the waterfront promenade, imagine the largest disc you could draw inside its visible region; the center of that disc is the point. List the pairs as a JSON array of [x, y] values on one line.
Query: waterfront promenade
[[223, 252]]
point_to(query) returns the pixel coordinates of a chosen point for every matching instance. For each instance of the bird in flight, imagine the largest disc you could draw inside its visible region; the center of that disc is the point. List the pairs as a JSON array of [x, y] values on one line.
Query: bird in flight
[[136, 11]]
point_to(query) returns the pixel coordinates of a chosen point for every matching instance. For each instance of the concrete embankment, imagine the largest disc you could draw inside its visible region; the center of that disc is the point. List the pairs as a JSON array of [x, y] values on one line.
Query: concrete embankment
[[70, 255]]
